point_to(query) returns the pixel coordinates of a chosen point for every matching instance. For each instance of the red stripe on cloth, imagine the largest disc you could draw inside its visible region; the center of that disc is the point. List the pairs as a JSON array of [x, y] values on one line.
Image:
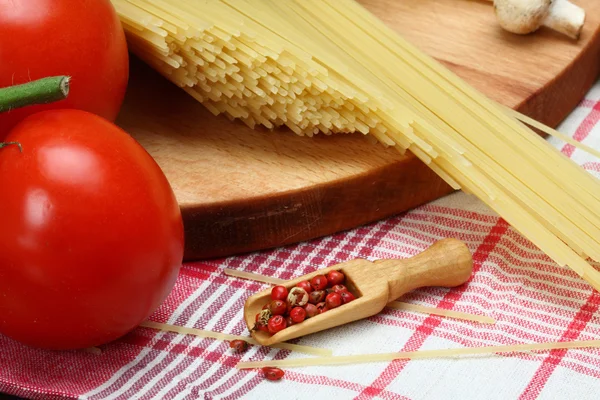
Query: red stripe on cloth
[[432, 322], [457, 213], [201, 350], [543, 373], [338, 383], [591, 166], [587, 103], [377, 234], [35, 373], [584, 129], [32, 393], [222, 279]]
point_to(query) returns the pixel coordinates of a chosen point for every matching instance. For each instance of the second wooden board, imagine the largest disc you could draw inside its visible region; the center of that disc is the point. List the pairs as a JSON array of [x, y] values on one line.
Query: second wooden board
[[242, 190]]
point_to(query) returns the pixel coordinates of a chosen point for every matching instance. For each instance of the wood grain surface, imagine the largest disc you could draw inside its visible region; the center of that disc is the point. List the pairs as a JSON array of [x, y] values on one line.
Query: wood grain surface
[[242, 190]]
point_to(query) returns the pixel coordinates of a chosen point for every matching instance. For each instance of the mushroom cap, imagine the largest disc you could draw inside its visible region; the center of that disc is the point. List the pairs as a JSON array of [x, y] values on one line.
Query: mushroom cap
[[521, 16]]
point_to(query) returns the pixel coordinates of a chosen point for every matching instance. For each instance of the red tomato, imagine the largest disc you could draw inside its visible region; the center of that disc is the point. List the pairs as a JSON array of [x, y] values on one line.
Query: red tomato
[[80, 38], [91, 238]]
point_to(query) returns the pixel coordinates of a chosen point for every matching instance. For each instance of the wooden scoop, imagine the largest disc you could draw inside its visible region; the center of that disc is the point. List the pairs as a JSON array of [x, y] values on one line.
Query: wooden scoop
[[446, 263]]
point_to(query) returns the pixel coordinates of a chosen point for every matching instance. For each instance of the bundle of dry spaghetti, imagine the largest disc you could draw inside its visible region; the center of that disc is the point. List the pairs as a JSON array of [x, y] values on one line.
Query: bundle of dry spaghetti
[[330, 66]]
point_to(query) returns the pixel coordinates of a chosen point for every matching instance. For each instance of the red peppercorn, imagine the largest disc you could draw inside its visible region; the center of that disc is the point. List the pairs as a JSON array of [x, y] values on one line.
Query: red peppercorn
[[276, 324], [319, 282], [279, 293], [262, 319], [289, 321], [264, 315], [266, 306], [311, 310], [273, 374], [278, 307], [239, 345], [339, 288], [322, 307], [347, 297], [335, 278], [305, 285], [262, 327], [316, 296], [333, 300], [298, 314], [297, 297]]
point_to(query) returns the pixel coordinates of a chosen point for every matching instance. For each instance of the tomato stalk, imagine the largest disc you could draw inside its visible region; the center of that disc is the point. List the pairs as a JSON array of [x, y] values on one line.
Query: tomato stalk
[[41, 91]]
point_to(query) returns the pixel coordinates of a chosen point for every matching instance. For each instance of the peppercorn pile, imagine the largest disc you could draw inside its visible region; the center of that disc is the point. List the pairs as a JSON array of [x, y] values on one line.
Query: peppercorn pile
[[305, 300]]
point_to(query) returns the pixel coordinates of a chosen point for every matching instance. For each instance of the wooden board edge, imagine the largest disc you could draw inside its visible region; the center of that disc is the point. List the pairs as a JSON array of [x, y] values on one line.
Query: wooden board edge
[[308, 213], [573, 82]]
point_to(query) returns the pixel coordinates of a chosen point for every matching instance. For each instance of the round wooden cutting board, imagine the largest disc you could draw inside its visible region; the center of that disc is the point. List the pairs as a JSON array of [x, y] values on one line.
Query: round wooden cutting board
[[242, 190]]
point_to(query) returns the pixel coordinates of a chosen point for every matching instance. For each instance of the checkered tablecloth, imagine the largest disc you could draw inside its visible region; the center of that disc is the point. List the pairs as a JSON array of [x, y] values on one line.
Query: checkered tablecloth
[[532, 299]]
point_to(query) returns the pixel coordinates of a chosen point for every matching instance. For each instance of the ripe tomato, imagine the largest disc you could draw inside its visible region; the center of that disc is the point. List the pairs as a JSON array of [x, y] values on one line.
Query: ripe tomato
[[91, 238], [80, 38]]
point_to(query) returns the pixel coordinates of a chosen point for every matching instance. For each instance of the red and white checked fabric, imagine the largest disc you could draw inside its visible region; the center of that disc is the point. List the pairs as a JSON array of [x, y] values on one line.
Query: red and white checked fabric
[[532, 299]]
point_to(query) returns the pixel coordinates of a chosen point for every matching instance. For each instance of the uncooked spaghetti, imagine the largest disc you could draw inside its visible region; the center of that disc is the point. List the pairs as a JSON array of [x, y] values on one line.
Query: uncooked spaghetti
[[330, 66]]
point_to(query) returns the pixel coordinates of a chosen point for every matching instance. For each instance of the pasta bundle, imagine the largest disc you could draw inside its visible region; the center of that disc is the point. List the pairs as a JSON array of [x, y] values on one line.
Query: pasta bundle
[[330, 66]]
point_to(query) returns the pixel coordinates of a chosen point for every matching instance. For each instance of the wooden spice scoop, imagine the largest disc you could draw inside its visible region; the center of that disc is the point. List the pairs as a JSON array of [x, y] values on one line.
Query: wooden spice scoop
[[446, 263]]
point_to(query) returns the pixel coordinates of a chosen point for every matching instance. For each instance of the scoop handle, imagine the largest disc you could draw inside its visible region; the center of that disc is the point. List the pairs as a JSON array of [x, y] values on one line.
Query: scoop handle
[[446, 263]]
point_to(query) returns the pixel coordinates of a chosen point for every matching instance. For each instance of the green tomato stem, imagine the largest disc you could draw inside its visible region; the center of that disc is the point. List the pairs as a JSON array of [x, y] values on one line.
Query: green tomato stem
[[4, 144], [41, 91]]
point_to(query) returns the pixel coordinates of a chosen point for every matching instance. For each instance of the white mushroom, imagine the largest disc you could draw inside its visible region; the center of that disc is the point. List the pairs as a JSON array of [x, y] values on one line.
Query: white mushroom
[[526, 16]]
